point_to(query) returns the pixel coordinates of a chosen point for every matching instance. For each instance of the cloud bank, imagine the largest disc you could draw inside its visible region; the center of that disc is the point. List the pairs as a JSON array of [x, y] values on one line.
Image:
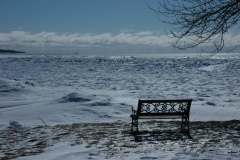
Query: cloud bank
[[43, 39], [147, 39]]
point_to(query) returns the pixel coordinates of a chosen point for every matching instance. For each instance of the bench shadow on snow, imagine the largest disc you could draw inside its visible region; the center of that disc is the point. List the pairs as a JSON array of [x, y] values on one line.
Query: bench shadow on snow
[[199, 130], [160, 131], [160, 136]]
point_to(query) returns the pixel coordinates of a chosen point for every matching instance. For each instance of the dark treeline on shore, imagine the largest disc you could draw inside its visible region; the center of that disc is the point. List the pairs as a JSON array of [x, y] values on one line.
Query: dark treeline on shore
[[10, 51]]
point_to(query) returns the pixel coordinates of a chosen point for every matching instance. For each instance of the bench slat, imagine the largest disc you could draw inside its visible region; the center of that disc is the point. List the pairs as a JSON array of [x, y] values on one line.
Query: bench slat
[[165, 100], [160, 117]]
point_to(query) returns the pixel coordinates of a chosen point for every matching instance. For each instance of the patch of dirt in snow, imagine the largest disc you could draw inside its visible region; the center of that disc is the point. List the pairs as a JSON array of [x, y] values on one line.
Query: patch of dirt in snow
[[209, 139]]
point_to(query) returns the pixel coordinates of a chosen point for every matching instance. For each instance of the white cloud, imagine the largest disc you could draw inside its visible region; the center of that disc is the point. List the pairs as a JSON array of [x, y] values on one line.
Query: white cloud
[[42, 39], [230, 40], [76, 40]]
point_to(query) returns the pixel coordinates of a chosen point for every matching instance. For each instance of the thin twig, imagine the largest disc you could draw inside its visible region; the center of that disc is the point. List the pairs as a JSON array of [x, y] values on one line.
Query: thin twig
[[42, 120]]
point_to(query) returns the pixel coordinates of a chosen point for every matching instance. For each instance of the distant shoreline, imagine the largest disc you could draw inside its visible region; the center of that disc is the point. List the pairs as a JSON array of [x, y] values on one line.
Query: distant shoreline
[[10, 51]]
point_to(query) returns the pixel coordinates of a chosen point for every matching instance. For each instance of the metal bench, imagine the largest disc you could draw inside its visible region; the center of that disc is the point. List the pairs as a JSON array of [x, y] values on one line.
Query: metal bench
[[162, 109]]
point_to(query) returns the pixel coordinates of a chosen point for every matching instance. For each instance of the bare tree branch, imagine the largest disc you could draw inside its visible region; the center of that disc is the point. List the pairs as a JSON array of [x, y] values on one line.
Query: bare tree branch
[[196, 22]]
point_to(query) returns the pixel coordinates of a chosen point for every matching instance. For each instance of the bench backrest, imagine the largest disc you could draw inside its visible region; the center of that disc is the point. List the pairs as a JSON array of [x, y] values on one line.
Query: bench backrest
[[164, 107]]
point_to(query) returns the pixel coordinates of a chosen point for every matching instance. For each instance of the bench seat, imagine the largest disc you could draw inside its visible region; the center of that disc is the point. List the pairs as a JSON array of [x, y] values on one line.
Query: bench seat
[[160, 117]]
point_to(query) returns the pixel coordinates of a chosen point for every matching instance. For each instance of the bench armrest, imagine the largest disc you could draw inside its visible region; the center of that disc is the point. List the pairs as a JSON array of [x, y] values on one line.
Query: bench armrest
[[134, 113]]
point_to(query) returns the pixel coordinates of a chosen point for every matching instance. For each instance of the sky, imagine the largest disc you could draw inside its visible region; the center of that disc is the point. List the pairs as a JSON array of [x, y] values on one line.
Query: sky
[[85, 27]]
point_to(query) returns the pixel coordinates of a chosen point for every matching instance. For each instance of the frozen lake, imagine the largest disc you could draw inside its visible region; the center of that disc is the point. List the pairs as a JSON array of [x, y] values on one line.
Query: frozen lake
[[71, 89]]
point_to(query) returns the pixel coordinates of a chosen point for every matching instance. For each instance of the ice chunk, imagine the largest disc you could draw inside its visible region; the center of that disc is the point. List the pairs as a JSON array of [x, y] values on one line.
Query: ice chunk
[[14, 125]]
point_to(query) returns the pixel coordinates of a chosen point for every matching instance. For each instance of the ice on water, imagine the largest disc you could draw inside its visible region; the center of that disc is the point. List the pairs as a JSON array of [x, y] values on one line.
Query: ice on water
[[70, 89]]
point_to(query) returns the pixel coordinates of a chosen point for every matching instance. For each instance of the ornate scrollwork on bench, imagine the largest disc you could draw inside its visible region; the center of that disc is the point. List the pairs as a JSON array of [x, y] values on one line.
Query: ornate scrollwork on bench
[[170, 107]]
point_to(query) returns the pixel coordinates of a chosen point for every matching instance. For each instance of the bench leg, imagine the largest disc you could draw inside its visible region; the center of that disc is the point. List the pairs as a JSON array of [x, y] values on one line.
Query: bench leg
[[188, 124], [134, 125], [182, 124], [185, 121]]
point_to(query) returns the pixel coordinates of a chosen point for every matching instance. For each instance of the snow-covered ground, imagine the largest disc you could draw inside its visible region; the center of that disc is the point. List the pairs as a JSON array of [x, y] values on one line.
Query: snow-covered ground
[[211, 140], [52, 90]]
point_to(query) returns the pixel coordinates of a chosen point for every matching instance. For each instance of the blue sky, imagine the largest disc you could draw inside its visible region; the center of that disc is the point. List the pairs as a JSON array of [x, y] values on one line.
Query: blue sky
[[83, 26]]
